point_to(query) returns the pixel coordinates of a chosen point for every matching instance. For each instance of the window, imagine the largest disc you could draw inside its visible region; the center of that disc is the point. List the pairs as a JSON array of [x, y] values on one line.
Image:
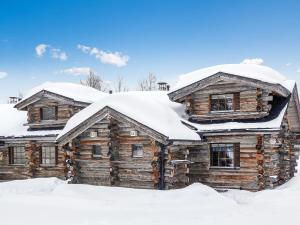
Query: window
[[224, 155], [48, 155], [96, 151], [222, 102], [137, 151], [48, 113], [17, 155]]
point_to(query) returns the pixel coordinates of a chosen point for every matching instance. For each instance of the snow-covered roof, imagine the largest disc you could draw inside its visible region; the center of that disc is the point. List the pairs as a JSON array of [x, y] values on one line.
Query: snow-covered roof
[[152, 109], [273, 124], [74, 91], [253, 71], [12, 120]]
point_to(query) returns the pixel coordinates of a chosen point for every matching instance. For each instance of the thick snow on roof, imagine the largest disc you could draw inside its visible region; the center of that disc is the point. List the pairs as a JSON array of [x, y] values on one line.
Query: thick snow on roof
[[153, 109], [12, 120], [258, 72], [273, 124], [77, 92]]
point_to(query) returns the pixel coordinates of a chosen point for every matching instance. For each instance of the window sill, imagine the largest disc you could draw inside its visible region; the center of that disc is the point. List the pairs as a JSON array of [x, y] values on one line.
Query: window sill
[[222, 111], [48, 165], [137, 157], [17, 165], [97, 156], [223, 168]]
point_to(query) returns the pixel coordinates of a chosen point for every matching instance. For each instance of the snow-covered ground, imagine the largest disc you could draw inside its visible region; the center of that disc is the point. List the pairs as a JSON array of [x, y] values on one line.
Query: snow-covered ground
[[51, 201]]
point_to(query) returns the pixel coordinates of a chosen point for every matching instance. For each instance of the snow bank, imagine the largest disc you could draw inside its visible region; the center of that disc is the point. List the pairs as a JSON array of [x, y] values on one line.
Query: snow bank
[[152, 109], [52, 201], [252, 71], [77, 92]]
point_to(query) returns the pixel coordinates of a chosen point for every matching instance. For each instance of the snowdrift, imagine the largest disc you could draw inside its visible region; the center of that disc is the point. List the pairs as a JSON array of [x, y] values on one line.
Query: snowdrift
[[51, 201]]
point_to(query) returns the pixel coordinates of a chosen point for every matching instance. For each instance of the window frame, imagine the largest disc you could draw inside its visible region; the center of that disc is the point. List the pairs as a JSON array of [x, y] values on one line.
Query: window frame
[[133, 154], [42, 115], [235, 154], [13, 156], [52, 158], [233, 99], [96, 155]]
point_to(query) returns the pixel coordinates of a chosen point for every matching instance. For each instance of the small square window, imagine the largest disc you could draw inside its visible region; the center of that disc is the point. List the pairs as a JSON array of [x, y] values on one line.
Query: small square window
[[222, 155], [222, 102], [137, 151], [48, 113], [97, 151]]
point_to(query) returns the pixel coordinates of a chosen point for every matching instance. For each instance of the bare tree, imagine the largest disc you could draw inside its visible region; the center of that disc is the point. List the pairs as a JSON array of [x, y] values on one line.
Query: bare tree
[[120, 84], [95, 81], [148, 84]]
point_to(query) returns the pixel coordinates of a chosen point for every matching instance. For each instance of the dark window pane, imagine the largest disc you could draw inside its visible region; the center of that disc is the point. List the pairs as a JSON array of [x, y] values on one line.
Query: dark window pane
[[222, 102], [96, 150], [222, 155], [48, 113]]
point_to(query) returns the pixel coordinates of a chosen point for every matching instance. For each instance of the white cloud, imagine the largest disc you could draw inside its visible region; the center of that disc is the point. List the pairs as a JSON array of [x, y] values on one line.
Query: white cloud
[[288, 64], [55, 53], [113, 58], [41, 49], [3, 74], [58, 54], [298, 71], [257, 61], [76, 71]]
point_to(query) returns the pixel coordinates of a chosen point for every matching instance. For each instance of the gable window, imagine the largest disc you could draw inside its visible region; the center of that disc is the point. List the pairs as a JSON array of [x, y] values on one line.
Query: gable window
[[96, 151], [48, 113], [224, 155], [137, 151], [48, 155], [222, 102], [17, 155]]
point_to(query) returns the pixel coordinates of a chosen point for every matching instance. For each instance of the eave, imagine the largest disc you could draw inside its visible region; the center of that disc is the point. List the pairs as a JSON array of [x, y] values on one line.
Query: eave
[[198, 85]]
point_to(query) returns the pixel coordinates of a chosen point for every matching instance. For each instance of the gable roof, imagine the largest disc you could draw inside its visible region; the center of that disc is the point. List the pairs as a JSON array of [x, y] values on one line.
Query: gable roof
[[151, 109], [12, 120], [69, 91], [256, 75], [270, 123]]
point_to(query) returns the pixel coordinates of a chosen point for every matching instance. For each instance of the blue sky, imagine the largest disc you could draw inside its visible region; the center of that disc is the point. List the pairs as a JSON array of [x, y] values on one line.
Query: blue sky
[[133, 38]]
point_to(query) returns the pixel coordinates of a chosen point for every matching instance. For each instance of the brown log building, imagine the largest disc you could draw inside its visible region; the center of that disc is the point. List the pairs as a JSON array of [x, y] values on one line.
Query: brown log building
[[227, 126]]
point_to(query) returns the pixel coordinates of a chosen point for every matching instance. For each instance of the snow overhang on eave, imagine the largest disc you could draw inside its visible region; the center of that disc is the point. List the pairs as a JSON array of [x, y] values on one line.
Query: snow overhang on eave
[[238, 131], [44, 93]]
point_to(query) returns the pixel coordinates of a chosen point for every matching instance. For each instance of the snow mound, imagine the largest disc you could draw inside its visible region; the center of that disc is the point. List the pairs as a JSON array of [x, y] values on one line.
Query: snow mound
[[78, 204], [252, 71], [30, 186]]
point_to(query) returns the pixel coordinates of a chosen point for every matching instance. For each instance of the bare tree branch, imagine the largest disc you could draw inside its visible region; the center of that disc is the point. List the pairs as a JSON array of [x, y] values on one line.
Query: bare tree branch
[[95, 81], [148, 84]]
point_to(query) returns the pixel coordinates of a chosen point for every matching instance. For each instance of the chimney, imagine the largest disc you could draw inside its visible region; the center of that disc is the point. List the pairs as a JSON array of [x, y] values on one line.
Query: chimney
[[13, 100], [163, 86]]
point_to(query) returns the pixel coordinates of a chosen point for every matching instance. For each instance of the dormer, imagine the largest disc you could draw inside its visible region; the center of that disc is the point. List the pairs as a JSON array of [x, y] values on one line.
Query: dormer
[[230, 92], [50, 105]]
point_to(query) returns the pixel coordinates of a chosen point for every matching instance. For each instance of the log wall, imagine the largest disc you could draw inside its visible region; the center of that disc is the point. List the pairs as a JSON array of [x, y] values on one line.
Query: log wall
[[254, 102], [117, 167], [64, 112], [32, 167]]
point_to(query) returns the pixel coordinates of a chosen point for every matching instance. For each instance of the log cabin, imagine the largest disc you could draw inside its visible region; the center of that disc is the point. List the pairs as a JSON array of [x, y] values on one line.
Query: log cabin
[[232, 126]]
